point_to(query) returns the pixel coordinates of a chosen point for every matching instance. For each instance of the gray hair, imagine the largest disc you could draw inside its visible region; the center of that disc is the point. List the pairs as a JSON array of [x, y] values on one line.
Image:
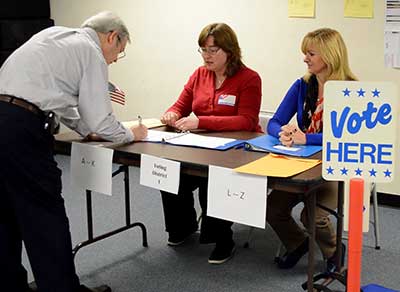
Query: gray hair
[[107, 21]]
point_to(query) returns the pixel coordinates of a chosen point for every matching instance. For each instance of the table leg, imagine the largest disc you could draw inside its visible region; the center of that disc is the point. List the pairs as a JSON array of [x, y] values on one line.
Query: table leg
[[311, 205], [128, 225]]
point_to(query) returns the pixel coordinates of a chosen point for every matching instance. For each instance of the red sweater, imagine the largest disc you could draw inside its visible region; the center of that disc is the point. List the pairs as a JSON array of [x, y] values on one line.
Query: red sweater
[[233, 107]]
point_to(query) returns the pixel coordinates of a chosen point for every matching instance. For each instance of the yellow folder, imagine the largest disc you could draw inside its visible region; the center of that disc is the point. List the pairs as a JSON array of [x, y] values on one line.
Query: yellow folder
[[278, 165]]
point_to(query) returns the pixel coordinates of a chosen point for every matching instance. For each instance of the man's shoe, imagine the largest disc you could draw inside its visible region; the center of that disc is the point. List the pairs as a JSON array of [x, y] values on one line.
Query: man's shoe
[[290, 259], [32, 287], [102, 288], [331, 262], [177, 238], [222, 253]]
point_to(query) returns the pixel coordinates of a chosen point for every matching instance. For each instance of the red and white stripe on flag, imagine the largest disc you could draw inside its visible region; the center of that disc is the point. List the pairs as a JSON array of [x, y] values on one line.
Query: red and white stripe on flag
[[116, 94]]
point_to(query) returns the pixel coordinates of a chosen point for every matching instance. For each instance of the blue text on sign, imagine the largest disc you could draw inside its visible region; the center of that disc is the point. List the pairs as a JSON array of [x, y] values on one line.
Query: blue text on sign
[[359, 152], [355, 120]]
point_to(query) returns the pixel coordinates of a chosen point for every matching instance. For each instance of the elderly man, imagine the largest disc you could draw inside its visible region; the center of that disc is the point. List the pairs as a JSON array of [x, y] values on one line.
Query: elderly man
[[59, 75]]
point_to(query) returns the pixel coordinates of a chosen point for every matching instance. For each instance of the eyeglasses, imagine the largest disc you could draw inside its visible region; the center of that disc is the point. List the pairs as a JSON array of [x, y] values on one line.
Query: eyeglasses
[[209, 50], [121, 55]]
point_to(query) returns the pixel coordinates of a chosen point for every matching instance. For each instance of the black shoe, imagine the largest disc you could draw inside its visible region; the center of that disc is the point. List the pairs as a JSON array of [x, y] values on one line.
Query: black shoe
[[222, 253], [290, 259], [32, 287], [177, 238], [331, 262], [102, 288]]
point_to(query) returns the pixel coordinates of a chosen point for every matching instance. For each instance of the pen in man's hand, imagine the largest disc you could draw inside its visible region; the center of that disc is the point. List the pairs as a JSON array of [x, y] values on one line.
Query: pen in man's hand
[[140, 120]]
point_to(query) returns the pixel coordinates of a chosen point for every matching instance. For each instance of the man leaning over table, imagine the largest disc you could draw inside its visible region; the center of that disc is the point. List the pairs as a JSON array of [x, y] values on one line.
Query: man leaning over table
[[59, 75]]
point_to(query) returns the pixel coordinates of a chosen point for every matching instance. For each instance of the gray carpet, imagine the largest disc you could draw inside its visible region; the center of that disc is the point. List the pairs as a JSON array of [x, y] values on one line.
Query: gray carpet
[[122, 262]]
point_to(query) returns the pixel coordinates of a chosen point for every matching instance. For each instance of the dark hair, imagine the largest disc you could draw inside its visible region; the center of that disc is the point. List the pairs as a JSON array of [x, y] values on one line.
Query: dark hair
[[225, 38], [310, 102]]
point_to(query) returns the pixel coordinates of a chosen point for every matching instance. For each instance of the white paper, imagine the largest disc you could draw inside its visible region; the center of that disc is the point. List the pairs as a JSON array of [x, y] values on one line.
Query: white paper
[[281, 147], [392, 49], [91, 167], [159, 173], [237, 197], [186, 139], [392, 15]]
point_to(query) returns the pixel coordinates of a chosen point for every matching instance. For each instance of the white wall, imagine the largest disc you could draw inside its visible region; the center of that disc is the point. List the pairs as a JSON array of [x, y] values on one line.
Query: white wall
[[164, 33]]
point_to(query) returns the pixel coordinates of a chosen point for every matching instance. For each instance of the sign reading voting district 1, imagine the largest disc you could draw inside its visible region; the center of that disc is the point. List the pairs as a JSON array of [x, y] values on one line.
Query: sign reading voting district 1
[[91, 167], [361, 122], [160, 173], [237, 197]]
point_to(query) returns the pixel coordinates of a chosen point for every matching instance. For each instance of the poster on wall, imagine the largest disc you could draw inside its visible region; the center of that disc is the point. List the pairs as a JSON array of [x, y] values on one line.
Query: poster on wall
[[359, 8], [392, 34], [301, 8]]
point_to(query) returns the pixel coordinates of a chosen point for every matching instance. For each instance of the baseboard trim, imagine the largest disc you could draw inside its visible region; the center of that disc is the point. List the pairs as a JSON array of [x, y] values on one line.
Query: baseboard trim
[[389, 200]]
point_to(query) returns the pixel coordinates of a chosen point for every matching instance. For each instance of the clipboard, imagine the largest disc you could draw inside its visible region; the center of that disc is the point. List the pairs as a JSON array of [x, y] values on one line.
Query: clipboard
[[268, 143]]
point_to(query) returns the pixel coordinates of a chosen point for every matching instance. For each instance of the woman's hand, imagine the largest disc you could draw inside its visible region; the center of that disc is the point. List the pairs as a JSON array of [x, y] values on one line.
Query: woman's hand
[[291, 135], [169, 118], [188, 123]]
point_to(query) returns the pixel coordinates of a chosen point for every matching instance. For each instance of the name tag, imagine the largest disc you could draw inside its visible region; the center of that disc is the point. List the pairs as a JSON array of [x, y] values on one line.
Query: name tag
[[227, 99]]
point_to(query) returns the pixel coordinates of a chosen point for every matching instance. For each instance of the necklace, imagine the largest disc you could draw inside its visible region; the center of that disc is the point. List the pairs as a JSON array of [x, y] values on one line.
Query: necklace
[[219, 81]]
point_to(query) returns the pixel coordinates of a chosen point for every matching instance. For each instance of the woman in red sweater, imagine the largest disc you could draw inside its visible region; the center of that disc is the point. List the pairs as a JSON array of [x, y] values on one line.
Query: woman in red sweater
[[222, 95]]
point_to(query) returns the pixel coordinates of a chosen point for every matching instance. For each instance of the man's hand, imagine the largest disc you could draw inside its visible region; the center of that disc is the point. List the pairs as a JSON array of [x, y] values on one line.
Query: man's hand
[[93, 137], [169, 118], [139, 132]]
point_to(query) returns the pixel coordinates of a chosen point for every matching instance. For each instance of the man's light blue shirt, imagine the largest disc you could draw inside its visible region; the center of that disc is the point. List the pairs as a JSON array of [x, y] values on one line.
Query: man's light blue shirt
[[63, 70]]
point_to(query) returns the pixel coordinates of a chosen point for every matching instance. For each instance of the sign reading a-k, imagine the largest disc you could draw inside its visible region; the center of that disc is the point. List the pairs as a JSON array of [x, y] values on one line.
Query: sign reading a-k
[[360, 127]]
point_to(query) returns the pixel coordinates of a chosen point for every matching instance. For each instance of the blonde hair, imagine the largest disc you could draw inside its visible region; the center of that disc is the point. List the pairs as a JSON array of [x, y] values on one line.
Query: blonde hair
[[330, 45]]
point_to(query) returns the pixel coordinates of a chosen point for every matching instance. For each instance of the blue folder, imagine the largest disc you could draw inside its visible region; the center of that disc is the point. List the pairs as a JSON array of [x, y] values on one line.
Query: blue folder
[[268, 143], [376, 288]]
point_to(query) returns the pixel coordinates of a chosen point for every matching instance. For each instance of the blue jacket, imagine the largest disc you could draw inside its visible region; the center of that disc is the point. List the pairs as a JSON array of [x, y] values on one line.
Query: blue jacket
[[292, 103]]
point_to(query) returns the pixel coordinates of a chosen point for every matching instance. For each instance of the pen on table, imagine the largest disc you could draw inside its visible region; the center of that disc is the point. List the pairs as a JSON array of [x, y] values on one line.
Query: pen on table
[[140, 120]]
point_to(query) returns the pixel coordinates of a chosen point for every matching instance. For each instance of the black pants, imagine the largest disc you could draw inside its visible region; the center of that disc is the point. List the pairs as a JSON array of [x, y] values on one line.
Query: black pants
[[180, 215], [32, 209]]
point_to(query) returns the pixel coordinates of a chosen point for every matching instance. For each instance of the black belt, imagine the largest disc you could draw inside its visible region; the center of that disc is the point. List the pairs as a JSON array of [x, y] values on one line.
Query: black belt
[[22, 103]]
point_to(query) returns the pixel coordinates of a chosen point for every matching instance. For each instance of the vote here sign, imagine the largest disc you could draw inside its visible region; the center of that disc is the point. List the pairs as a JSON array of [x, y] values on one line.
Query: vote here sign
[[360, 125]]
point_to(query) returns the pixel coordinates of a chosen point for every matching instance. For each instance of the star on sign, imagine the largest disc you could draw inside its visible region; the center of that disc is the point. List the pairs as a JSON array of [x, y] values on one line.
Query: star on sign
[[361, 92], [344, 171], [372, 172], [358, 171], [387, 173], [375, 93], [346, 92], [329, 170]]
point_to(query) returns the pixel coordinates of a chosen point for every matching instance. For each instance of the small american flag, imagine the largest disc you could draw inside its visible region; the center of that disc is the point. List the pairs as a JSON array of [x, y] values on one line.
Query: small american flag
[[116, 94]]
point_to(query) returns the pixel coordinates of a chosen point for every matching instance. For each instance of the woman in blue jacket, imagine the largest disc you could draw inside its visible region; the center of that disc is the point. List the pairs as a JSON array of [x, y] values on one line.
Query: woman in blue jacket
[[325, 54]]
